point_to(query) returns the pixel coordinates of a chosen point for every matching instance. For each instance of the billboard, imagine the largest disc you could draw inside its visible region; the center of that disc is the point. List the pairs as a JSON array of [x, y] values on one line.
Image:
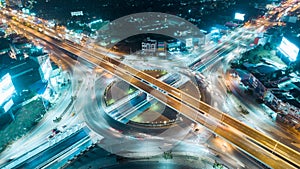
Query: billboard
[[161, 46], [46, 69], [8, 105], [288, 49], [7, 88], [77, 13], [189, 42], [239, 16]]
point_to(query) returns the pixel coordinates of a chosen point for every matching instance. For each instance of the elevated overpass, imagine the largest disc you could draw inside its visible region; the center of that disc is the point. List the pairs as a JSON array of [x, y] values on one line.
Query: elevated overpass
[[262, 147]]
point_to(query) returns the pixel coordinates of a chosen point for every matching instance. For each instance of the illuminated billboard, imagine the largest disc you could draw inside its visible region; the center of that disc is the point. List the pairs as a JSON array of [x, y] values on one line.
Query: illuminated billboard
[[8, 105], [6, 88], [77, 13], [288, 49], [46, 69], [161, 46], [239, 16], [189, 42]]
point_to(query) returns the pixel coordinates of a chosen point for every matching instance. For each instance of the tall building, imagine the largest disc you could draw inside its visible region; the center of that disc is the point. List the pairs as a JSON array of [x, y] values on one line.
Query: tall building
[[45, 65], [24, 74]]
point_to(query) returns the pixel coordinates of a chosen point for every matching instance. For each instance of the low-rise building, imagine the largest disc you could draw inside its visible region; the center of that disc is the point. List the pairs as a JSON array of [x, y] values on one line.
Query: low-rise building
[[149, 45]]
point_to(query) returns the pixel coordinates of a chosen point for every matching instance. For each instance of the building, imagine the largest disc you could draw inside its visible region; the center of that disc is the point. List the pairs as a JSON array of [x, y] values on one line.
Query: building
[[4, 46], [149, 46], [173, 45], [45, 65], [14, 3], [24, 74], [161, 46], [287, 108]]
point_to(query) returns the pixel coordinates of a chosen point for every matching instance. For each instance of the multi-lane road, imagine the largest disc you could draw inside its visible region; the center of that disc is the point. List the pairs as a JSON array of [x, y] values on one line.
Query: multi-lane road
[[186, 104], [40, 134], [190, 107]]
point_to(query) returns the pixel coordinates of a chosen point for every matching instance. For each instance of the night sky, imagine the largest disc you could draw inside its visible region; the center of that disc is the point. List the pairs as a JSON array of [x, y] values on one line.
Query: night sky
[[206, 14]]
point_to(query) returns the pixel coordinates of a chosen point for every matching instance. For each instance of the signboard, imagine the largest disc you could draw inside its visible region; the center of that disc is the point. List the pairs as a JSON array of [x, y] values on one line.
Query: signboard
[[77, 13], [8, 105], [288, 49], [189, 42], [6, 88], [239, 16], [161, 46], [46, 69]]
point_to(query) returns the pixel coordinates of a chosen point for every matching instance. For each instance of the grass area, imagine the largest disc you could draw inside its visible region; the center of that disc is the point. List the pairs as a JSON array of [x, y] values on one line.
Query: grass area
[[276, 59], [159, 107], [118, 91], [255, 55], [152, 114], [25, 120], [131, 90], [110, 102]]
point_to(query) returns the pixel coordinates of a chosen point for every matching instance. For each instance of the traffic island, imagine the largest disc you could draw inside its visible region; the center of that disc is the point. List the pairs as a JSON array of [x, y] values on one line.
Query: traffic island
[[126, 104]]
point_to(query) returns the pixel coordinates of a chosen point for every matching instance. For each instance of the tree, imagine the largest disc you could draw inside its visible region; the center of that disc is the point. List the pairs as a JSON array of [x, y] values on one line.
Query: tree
[[268, 46], [296, 66]]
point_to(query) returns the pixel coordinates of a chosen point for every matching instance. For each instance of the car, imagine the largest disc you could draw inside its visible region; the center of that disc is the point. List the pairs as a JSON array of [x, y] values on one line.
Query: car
[[50, 136], [55, 131], [10, 159], [57, 119]]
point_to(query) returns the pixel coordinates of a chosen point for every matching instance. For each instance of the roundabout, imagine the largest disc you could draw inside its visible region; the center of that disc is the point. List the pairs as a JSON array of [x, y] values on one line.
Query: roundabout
[[130, 120]]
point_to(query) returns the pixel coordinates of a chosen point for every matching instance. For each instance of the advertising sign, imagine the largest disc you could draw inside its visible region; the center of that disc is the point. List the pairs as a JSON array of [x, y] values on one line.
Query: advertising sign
[[288, 49], [6, 88]]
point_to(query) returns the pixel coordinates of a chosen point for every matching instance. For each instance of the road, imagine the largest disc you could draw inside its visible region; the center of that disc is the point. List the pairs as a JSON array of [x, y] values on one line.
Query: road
[[138, 144], [40, 133], [114, 67], [257, 118], [114, 140], [258, 137]]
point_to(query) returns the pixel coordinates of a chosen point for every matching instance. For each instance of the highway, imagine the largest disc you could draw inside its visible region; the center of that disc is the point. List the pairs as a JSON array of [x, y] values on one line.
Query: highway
[[41, 132], [270, 144], [114, 67], [141, 145], [42, 158], [260, 138]]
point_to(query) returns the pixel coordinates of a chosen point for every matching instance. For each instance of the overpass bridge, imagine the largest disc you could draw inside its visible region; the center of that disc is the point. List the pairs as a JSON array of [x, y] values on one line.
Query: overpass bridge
[[256, 144]]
